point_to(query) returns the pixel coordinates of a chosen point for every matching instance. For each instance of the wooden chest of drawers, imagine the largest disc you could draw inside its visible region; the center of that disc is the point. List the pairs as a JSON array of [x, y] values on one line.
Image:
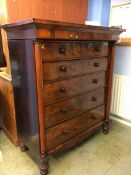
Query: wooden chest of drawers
[[62, 77]]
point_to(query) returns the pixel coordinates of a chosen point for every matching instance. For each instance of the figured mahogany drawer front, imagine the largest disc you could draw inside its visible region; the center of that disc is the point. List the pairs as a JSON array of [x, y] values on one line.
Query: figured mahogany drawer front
[[65, 88], [90, 49], [63, 69], [60, 50], [63, 110], [70, 128]]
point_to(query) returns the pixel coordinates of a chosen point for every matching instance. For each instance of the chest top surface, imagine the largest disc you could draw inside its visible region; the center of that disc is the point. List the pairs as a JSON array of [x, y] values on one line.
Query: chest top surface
[[45, 29]]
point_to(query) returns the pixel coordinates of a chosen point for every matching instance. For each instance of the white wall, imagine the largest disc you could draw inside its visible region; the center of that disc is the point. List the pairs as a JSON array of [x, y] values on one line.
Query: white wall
[[117, 2], [122, 64]]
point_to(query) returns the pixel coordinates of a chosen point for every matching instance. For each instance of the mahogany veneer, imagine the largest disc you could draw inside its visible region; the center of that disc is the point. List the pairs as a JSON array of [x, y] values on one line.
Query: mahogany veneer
[[62, 77]]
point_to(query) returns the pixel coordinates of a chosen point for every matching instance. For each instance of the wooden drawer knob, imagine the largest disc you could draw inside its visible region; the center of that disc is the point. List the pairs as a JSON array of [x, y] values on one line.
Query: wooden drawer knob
[[94, 99], [62, 50], [62, 89], [64, 110], [65, 131], [96, 64], [97, 49], [94, 117], [62, 68], [95, 81]]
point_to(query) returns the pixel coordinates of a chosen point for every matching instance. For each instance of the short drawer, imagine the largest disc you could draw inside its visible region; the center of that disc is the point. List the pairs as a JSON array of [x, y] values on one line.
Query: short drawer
[[60, 133], [60, 50], [92, 49], [66, 109], [63, 69], [59, 90]]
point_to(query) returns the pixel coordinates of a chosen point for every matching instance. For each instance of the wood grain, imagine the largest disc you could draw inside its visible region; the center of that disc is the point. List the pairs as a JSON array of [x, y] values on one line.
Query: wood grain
[[60, 133], [54, 51], [7, 108], [66, 109], [65, 69], [63, 89]]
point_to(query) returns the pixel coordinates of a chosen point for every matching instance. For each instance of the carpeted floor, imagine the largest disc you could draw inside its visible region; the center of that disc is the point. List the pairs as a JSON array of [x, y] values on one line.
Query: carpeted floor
[[101, 154]]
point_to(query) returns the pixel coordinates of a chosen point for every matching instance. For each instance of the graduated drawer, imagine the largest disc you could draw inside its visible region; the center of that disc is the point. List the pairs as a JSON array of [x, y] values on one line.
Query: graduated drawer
[[92, 49], [63, 69], [60, 133], [66, 109], [60, 50], [59, 90]]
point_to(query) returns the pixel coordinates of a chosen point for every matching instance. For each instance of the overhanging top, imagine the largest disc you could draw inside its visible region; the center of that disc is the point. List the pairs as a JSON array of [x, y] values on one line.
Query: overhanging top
[[45, 29]]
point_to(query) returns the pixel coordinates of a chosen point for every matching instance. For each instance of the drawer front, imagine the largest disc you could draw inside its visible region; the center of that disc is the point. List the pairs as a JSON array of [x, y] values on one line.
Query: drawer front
[[60, 50], [60, 133], [65, 88], [91, 49], [64, 110], [63, 69]]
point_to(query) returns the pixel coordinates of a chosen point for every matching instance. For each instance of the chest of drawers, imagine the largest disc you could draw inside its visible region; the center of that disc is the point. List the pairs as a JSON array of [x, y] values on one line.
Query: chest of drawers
[[62, 76]]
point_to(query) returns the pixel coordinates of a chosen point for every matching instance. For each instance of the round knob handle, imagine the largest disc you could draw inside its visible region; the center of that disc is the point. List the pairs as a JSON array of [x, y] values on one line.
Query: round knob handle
[[97, 49], [94, 99], [62, 49], [94, 117], [96, 64], [65, 131], [95, 81], [62, 68], [62, 89], [64, 110]]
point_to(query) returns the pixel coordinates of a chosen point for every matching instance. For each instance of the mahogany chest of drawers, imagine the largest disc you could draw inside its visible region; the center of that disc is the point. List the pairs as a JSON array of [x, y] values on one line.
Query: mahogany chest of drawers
[[62, 75]]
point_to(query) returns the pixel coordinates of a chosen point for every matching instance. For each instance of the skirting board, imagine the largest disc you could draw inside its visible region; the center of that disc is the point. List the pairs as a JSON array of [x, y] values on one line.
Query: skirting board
[[120, 120]]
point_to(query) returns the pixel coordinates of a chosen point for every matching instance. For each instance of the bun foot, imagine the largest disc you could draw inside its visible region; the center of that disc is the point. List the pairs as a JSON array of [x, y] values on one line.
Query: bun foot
[[44, 165], [106, 127], [23, 147]]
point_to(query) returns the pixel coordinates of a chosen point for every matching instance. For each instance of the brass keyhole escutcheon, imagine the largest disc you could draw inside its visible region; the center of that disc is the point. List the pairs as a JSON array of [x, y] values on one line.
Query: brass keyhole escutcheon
[[42, 46]]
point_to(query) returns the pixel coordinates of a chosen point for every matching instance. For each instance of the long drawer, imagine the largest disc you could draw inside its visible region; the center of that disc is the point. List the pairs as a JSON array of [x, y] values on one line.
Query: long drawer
[[52, 51], [68, 129], [59, 90], [64, 110], [63, 69]]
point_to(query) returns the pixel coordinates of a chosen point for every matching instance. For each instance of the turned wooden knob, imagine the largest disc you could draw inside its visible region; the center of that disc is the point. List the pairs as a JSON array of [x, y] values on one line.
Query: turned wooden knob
[[65, 131], [96, 64], [62, 68], [97, 49], [64, 110], [95, 81], [62, 89], [94, 99], [94, 117], [62, 49]]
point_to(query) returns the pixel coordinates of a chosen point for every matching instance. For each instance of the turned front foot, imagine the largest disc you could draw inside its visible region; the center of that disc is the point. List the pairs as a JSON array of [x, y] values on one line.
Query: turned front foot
[[44, 165], [23, 147], [106, 127]]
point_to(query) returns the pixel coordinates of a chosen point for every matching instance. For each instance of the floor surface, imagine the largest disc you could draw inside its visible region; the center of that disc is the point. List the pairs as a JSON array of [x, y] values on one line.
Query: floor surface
[[101, 154]]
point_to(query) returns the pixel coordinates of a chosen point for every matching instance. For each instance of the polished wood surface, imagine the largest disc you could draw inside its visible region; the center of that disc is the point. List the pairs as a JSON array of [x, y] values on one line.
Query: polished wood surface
[[7, 108], [55, 91], [57, 10], [2, 57], [60, 30], [66, 109], [92, 49], [62, 132], [62, 76], [53, 51], [65, 69]]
